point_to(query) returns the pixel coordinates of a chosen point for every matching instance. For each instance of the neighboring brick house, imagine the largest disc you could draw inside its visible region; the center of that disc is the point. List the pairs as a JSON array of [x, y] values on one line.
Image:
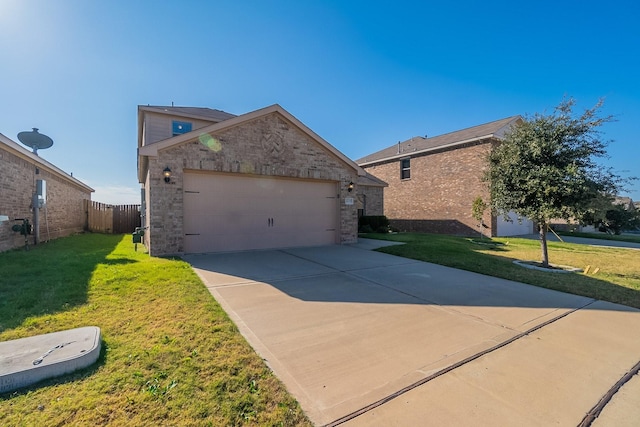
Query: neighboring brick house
[[625, 202], [560, 224], [432, 182], [63, 211], [216, 182]]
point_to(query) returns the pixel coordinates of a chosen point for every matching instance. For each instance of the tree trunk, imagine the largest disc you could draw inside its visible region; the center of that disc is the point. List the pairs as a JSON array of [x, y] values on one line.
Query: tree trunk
[[543, 244]]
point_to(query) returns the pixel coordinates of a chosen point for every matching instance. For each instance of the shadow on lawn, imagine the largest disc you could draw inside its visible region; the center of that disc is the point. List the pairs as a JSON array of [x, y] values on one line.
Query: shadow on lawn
[[51, 277]]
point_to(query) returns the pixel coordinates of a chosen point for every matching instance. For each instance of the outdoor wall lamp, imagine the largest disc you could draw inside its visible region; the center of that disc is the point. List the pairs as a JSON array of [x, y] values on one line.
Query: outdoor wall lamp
[[350, 187], [167, 174]]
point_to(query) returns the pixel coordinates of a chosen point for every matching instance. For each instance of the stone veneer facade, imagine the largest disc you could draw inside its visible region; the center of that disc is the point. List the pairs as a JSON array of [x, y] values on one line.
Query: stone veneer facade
[[269, 145], [64, 213], [439, 195]]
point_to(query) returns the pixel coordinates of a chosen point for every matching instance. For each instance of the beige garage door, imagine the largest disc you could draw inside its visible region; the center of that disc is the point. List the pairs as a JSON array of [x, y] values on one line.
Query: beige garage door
[[224, 212]]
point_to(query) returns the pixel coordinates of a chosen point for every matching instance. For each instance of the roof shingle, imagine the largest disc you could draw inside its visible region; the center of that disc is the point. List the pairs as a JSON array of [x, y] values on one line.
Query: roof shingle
[[419, 144], [195, 112]]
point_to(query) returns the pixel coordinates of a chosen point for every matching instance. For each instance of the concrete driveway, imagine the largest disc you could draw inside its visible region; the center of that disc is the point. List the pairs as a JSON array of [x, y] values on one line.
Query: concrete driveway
[[365, 338]]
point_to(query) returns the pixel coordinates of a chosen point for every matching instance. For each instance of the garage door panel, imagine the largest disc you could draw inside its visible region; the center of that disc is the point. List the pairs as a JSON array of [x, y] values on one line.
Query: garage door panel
[[240, 212]]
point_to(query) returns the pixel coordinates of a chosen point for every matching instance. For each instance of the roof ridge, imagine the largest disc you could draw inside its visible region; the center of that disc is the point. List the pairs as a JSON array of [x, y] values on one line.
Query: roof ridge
[[448, 139], [182, 106], [467, 128], [41, 161], [200, 113]]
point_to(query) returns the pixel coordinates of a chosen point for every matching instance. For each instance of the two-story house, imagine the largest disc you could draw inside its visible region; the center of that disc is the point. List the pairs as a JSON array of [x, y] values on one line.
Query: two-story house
[[433, 181], [213, 181]]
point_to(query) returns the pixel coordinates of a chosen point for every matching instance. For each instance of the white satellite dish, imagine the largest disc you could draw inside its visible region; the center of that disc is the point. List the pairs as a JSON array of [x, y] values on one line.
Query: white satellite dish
[[35, 140]]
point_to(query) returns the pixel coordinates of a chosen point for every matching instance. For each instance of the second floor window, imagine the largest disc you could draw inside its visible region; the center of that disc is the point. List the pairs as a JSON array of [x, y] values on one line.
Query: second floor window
[[180, 127], [405, 168]]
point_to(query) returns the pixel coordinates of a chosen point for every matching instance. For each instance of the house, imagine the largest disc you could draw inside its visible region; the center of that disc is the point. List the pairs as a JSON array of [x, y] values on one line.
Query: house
[[625, 202], [216, 182], [432, 182], [61, 210]]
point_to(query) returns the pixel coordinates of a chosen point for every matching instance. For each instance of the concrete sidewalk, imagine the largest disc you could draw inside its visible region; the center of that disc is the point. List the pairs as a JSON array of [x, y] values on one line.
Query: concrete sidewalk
[[367, 338]]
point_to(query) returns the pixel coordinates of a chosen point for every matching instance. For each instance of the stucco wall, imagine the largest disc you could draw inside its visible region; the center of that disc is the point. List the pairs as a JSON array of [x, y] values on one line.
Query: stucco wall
[[269, 145], [439, 195], [64, 213]]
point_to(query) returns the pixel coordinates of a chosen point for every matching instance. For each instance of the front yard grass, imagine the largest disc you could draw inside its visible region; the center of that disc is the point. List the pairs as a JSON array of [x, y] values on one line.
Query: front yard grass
[[603, 236], [170, 355], [617, 280]]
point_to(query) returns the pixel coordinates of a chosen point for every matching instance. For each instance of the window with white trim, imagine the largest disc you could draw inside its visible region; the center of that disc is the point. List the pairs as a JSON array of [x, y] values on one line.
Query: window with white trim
[[405, 168]]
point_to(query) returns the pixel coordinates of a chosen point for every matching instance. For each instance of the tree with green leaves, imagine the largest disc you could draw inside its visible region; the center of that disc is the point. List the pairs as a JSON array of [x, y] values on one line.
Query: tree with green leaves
[[599, 208], [618, 219], [610, 217], [477, 211], [545, 168]]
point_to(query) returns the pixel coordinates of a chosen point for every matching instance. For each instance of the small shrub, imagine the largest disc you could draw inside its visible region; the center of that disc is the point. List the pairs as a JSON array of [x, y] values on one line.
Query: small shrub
[[379, 223], [365, 229]]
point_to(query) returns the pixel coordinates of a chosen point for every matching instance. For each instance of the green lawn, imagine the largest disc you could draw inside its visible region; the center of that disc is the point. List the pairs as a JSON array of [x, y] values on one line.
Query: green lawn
[[170, 356], [604, 236], [617, 280]]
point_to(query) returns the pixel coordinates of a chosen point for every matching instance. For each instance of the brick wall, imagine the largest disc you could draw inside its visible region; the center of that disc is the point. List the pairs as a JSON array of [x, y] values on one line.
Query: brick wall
[[371, 199], [268, 145], [439, 195], [64, 213]]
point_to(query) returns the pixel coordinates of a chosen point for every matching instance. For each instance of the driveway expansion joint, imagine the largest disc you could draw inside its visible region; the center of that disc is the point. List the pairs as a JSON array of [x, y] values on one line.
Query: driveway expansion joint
[[590, 417], [457, 365], [416, 313]]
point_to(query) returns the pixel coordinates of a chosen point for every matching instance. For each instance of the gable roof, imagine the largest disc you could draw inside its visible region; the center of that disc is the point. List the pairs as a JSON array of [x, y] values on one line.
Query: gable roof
[[152, 149], [419, 144], [18, 150], [369, 180]]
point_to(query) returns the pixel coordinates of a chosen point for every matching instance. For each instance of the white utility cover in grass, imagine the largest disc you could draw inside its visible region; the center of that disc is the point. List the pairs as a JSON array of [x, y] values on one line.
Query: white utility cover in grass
[[233, 212], [26, 361]]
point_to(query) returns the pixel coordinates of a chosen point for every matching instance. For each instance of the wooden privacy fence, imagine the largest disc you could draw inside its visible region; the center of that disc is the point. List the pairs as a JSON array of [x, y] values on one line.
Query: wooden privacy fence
[[111, 219]]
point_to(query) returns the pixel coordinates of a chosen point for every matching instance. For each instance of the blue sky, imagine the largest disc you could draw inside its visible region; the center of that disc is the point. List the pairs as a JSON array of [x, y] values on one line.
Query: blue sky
[[363, 75]]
